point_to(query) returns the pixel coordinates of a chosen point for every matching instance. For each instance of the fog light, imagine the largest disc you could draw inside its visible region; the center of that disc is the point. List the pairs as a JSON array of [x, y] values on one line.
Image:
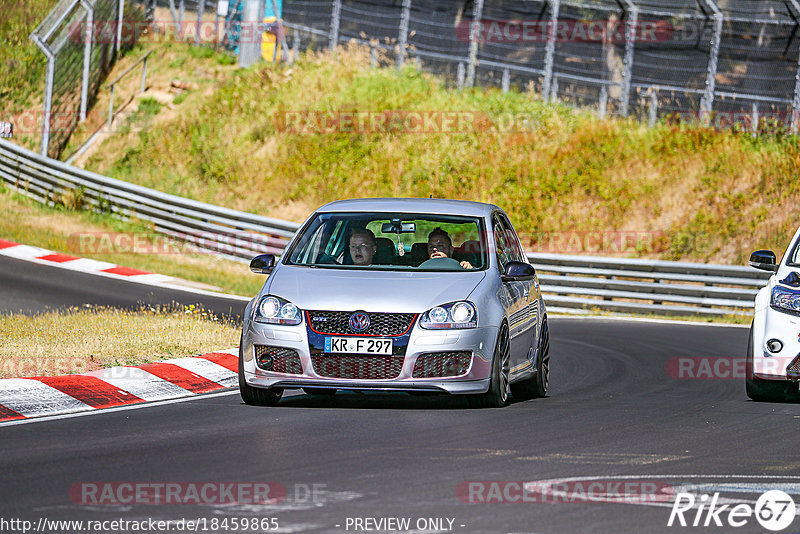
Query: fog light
[[266, 363], [774, 345]]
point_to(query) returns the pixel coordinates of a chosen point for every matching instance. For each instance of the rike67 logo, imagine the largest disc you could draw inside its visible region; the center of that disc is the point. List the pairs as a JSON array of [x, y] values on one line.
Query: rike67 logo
[[774, 510]]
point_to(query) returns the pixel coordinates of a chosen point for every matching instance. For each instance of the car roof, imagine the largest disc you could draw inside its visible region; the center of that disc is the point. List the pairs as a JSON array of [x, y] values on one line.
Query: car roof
[[433, 206]]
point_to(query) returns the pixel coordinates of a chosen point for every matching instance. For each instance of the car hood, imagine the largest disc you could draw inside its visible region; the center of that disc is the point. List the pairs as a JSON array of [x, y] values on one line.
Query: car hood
[[371, 291]]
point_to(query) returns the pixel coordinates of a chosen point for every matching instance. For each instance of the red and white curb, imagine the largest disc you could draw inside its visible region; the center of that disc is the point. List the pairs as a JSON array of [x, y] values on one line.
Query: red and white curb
[[25, 398], [100, 268]]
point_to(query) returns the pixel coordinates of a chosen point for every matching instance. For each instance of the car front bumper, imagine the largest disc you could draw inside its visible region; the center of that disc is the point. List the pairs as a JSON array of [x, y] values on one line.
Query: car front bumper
[[479, 341]]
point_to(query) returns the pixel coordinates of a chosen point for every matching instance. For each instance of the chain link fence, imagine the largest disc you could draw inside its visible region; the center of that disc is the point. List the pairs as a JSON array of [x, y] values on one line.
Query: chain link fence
[[81, 39], [727, 63]]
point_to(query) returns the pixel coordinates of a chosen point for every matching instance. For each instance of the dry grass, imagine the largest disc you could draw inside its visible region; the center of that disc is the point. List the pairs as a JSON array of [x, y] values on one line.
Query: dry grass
[[82, 340], [710, 194]]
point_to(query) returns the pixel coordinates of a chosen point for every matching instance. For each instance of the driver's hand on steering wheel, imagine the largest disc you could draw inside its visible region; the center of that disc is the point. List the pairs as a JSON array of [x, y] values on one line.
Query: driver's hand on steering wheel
[[466, 265]]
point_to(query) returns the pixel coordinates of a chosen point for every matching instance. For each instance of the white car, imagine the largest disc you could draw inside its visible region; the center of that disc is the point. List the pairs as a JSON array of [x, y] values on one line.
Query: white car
[[772, 371]]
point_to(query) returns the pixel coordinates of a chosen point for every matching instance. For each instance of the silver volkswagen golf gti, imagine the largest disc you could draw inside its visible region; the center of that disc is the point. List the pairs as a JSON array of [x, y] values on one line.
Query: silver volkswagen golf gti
[[413, 295]]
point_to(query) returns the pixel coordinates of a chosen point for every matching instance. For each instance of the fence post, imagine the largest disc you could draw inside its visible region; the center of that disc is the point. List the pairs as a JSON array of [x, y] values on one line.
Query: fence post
[[755, 120], [603, 101], [477, 14], [707, 102], [554, 89], [120, 16], [506, 80], [48, 92], [460, 76], [796, 100], [250, 49], [550, 49], [200, 12], [87, 56], [281, 31], [295, 46], [336, 15], [402, 37], [653, 107], [144, 73], [373, 57], [632, 13]]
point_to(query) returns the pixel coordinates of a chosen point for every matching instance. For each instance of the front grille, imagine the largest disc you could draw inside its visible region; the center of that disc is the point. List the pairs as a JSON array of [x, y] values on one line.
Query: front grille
[[278, 360], [380, 324], [442, 364], [793, 370], [359, 367]]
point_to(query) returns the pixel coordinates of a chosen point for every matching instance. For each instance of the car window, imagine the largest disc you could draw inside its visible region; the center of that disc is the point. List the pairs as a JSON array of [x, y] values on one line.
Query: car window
[[501, 246], [512, 240], [400, 242]]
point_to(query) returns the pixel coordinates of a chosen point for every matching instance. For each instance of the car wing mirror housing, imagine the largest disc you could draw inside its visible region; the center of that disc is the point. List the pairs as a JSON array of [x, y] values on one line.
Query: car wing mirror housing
[[262, 264], [764, 260], [518, 270]]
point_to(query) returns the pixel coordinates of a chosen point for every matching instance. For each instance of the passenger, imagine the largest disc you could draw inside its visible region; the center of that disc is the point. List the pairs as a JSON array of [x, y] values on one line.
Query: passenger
[[441, 246], [362, 246]]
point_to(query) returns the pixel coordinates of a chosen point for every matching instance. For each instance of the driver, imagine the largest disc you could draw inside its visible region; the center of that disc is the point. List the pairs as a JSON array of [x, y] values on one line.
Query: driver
[[441, 246], [362, 246]]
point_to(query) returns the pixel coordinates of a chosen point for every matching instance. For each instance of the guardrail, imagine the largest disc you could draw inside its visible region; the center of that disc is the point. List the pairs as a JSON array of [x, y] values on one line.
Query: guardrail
[[570, 283]]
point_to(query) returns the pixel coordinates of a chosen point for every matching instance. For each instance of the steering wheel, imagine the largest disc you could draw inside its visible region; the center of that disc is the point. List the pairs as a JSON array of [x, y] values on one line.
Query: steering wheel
[[443, 264]]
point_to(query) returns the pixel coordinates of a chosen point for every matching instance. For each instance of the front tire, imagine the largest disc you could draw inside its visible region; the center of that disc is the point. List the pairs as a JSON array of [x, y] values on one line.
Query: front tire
[[255, 396], [761, 390], [499, 386]]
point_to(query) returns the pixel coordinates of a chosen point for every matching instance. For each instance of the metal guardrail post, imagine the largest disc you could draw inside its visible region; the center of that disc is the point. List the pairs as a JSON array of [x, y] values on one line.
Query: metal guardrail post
[[87, 56], [755, 120], [200, 12], [336, 15], [707, 102], [653, 107], [402, 36], [460, 76], [796, 99], [48, 92], [120, 17], [553, 90], [281, 33], [144, 73], [506, 82], [477, 15], [632, 13], [603, 102], [550, 49]]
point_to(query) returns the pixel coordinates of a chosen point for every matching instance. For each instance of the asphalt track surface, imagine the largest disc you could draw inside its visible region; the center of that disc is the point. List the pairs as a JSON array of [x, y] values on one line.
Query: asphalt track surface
[[614, 410]]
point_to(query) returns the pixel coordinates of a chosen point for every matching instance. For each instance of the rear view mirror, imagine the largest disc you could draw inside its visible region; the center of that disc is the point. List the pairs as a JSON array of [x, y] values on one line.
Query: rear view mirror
[[262, 264], [398, 227], [518, 271], [764, 260]]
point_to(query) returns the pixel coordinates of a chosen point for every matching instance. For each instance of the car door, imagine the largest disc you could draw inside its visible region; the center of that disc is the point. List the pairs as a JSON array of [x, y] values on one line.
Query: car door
[[530, 289], [514, 295]]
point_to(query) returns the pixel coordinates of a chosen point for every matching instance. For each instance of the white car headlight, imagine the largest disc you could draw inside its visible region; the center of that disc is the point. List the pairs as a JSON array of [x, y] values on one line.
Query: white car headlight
[[275, 310], [786, 300], [449, 316]]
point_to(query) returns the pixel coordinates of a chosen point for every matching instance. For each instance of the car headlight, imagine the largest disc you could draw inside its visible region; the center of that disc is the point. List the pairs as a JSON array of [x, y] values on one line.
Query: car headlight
[[275, 310], [785, 300], [448, 316]]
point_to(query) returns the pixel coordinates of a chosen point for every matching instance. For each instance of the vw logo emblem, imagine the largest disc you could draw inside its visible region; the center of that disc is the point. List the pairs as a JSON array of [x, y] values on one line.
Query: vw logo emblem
[[359, 322]]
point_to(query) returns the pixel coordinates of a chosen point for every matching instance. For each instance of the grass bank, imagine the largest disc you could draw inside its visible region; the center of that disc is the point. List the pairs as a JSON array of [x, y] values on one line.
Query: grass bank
[[696, 194], [88, 339]]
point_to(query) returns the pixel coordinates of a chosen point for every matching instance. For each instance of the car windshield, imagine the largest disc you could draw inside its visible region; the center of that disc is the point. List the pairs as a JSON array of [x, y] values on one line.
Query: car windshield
[[391, 241]]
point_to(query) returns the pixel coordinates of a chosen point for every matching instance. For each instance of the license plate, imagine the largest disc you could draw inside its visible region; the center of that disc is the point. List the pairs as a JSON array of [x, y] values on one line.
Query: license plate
[[358, 345]]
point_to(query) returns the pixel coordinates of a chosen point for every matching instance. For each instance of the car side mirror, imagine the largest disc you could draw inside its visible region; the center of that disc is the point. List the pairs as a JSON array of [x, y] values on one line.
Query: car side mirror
[[518, 271], [764, 260], [262, 264]]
